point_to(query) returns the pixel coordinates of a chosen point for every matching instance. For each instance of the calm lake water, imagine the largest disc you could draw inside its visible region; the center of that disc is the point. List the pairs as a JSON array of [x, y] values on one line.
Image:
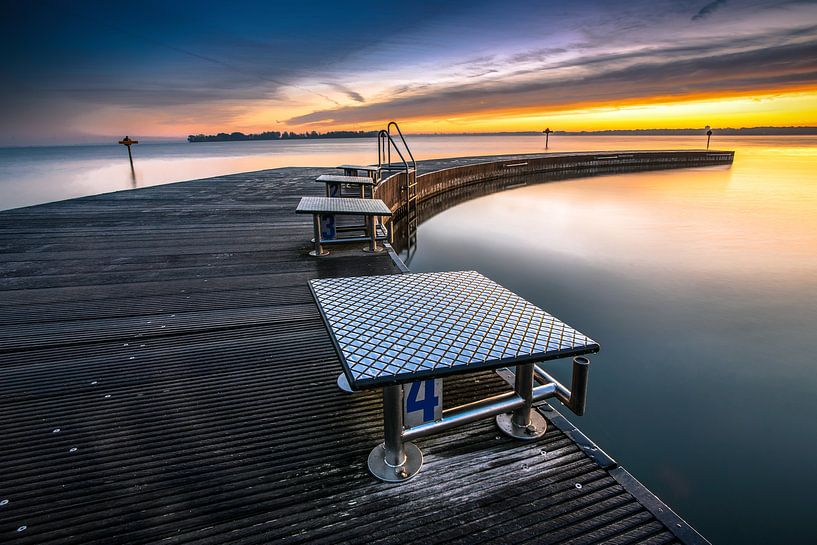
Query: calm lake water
[[38, 175], [700, 285]]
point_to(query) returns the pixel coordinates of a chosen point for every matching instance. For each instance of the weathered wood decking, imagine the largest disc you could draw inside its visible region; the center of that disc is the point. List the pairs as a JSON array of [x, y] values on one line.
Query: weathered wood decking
[[165, 377]]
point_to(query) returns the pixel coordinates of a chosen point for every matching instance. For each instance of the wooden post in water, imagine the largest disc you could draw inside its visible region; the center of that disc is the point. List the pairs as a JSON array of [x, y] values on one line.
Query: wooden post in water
[[128, 142], [708, 136], [547, 132]]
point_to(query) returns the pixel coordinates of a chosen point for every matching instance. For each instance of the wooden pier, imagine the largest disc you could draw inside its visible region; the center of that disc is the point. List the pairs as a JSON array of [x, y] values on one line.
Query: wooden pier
[[165, 376]]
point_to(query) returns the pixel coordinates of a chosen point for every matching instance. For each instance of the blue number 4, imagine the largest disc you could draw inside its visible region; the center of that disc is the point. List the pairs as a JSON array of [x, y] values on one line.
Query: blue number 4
[[428, 403]]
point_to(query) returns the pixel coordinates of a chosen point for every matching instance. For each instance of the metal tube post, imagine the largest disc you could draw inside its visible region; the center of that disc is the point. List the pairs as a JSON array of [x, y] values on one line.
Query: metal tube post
[[371, 232], [578, 385], [393, 425], [574, 399], [524, 389], [394, 460], [316, 227], [523, 423]]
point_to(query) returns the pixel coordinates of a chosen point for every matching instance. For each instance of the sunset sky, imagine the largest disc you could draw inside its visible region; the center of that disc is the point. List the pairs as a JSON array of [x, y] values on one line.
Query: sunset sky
[[82, 70]]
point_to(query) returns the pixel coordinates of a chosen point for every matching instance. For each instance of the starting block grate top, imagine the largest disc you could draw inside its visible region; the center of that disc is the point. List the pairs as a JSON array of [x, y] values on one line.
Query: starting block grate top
[[401, 328], [340, 179], [342, 206]]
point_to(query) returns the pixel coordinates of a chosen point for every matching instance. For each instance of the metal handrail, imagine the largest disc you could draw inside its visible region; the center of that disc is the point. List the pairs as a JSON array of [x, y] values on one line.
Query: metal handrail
[[405, 144], [386, 142]]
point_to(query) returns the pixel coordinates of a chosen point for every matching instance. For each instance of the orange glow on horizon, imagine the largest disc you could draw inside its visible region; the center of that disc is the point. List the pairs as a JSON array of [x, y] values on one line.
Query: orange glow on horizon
[[770, 108], [748, 109]]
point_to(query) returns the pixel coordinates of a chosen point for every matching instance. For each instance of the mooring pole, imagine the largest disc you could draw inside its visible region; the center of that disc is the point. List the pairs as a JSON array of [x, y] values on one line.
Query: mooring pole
[[547, 132], [128, 142], [708, 136]]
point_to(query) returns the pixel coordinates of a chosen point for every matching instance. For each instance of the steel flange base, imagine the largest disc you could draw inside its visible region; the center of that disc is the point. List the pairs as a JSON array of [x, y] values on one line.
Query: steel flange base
[[536, 429], [378, 250], [343, 383], [395, 474]]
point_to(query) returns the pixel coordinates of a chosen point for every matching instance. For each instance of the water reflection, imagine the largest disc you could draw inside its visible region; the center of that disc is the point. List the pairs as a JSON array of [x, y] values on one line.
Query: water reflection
[[701, 286], [441, 202], [45, 174]]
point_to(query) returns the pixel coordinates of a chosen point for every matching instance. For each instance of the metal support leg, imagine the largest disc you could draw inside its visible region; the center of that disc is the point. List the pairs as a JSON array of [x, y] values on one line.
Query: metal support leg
[[371, 231], [524, 423], [316, 225], [393, 460]]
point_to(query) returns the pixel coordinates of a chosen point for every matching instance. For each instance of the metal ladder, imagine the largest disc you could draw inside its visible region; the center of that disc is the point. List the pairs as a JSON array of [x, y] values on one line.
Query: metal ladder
[[409, 192]]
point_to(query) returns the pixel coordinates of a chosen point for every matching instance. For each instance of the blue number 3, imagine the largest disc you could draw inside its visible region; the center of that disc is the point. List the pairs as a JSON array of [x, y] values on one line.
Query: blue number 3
[[428, 403]]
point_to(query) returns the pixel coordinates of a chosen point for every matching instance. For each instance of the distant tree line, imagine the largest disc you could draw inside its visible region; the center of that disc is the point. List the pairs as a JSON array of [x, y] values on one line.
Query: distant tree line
[[725, 131], [277, 135], [743, 131]]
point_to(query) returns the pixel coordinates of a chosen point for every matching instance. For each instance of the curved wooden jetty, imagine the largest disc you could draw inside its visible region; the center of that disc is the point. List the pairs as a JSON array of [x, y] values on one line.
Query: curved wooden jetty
[[165, 376]]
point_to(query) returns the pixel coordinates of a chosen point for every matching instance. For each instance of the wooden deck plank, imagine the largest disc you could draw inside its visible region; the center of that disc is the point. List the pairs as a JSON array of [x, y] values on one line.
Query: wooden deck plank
[[168, 334]]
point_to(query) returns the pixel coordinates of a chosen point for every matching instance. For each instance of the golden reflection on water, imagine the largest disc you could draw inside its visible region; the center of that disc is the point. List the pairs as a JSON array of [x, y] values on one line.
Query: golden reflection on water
[[701, 287], [39, 175], [758, 217]]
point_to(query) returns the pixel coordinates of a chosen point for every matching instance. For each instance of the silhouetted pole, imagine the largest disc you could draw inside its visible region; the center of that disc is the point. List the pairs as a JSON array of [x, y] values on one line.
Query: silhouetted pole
[[128, 142], [547, 136], [708, 136]]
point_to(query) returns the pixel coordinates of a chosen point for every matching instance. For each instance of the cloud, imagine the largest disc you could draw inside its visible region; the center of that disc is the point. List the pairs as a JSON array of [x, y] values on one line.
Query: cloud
[[537, 54], [761, 68], [708, 9], [174, 63], [354, 95]]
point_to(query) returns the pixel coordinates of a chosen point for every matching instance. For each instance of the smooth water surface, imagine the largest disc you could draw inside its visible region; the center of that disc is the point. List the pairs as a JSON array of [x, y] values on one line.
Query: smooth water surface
[[45, 174], [701, 286]]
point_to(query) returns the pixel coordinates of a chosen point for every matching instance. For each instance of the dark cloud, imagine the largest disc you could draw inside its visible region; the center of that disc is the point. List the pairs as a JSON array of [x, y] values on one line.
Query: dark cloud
[[94, 51], [775, 67], [354, 95], [708, 9], [665, 54]]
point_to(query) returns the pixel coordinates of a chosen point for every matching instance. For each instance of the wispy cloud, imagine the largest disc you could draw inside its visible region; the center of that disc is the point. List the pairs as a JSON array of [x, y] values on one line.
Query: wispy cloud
[[354, 95], [760, 68], [709, 9], [174, 64]]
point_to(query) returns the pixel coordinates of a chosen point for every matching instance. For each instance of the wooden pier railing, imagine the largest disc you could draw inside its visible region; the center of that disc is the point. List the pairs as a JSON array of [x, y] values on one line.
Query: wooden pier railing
[[500, 174]]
